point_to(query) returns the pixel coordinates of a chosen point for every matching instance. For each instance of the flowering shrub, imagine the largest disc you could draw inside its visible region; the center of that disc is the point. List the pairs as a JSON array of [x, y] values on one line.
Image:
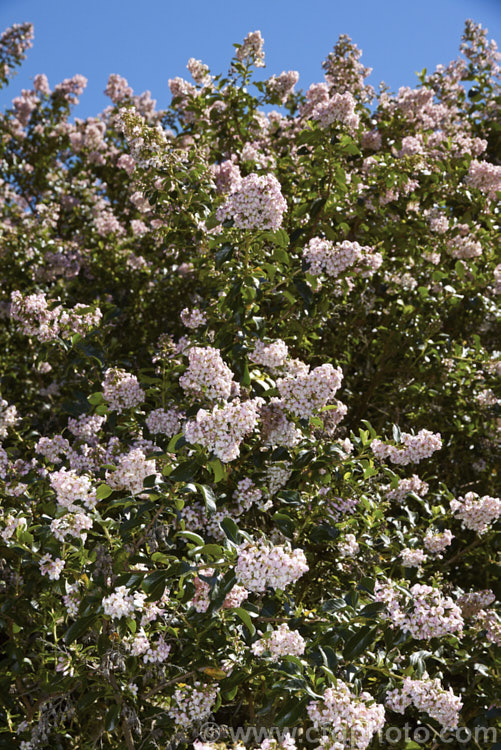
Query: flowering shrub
[[250, 406]]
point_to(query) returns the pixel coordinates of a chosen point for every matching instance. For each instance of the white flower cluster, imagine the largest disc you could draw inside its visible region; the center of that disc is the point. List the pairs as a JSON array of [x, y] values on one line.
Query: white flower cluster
[[131, 471], [192, 704], [86, 427], [280, 642], [201, 600], [8, 417], [425, 613], [306, 392], [337, 108], [436, 542], [345, 714], [167, 422], [260, 566], [282, 86], [474, 601], [277, 475], [492, 626], [464, 247], [276, 429], [121, 390], [349, 547], [70, 488], [193, 318], [54, 448], [415, 448], [405, 486], [34, 318], [246, 495], [222, 430], [251, 51], [476, 513], [412, 558], [50, 567], [122, 603], [256, 203], [71, 524], [323, 256], [153, 652], [428, 696], [207, 374], [270, 355]]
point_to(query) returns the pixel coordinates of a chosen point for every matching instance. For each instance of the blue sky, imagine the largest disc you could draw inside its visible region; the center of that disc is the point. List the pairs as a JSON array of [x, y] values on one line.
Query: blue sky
[[149, 42]]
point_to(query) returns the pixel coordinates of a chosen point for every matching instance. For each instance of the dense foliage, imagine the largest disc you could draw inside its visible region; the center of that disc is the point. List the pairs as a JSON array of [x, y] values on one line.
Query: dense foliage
[[250, 408]]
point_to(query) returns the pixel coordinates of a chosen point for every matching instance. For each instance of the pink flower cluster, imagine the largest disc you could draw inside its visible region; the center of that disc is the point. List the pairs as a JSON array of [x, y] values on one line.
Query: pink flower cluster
[[425, 613], [412, 558], [276, 429], [86, 427], [121, 390], [474, 601], [270, 355], [193, 318], [349, 547], [257, 203], [415, 448], [251, 51], [428, 696], [486, 177], [207, 374], [70, 488], [164, 422], [260, 566], [405, 486], [437, 542], [71, 524], [339, 108], [280, 642], [199, 71], [475, 512], [306, 392], [51, 568], [346, 715], [34, 317], [131, 471], [117, 88], [222, 430], [190, 705], [492, 626], [464, 247], [201, 600], [227, 176], [152, 652], [121, 603], [282, 86], [8, 417], [246, 495], [323, 256]]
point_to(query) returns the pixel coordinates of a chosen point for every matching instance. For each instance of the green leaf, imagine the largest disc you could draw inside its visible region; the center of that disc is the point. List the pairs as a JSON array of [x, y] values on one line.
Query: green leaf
[[359, 641], [111, 718], [78, 628], [231, 530], [208, 496], [245, 617], [103, 491], [223, 254], [192, 537], [95, 398], [217, 469]]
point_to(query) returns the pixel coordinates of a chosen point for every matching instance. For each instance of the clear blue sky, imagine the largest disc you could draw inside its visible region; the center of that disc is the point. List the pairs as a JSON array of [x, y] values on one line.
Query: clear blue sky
[[150, 41]]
